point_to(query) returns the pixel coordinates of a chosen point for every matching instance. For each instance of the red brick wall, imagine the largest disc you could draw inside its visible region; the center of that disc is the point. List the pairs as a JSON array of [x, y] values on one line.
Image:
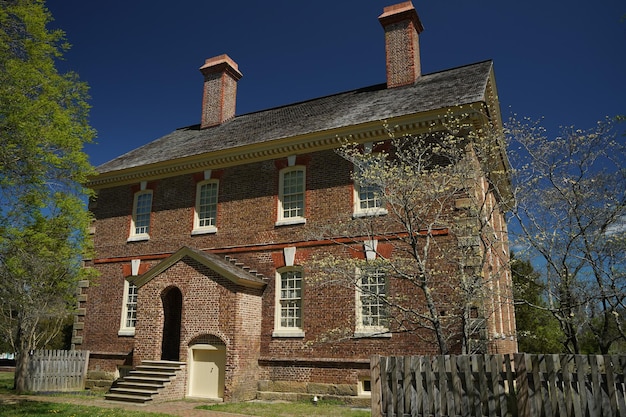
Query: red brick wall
[[103, 312], [242, 319], [402, 49], [212, 305], [246, 211]]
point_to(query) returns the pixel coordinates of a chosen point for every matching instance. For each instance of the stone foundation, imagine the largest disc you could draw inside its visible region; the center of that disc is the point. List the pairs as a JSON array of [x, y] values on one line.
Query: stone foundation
[[305, 391], [99, 380]]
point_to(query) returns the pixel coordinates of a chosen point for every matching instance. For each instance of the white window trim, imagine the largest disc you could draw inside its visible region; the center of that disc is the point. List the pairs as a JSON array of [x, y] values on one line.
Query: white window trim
[[282, 221], [359, 212], [137, 237], [360, 329], [363, 381], [286, 331], [125, 330], [197, 229]]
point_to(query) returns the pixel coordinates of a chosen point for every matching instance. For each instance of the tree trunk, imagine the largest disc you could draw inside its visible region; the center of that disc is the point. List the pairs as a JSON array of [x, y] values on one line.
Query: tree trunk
[[21, 372], [571, 338], [23, 346], [436, 320]]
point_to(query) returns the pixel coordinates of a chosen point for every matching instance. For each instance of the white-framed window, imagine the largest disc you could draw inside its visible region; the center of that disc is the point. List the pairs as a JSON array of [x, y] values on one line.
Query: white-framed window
[[288, 313], [142, 209], [129, 310], [365, 386], [368, 197], [205, 216], [291, 195], [368, 201], [372, 308]]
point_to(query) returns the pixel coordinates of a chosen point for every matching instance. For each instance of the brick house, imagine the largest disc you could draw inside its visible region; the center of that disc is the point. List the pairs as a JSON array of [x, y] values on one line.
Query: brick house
[[202, 237]]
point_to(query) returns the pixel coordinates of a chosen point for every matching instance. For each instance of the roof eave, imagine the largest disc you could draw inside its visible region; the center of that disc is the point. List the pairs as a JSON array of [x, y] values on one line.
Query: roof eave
[[211, 261], [281, 147]]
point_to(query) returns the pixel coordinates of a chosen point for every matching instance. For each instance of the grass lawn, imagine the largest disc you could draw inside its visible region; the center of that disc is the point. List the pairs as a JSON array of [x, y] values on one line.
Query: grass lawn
[[6, 382], [36, 408], [22, 408], [291, 409], [42, 409]]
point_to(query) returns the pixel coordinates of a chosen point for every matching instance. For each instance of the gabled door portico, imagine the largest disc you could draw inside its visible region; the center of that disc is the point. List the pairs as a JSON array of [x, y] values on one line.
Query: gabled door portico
[[204, 308]]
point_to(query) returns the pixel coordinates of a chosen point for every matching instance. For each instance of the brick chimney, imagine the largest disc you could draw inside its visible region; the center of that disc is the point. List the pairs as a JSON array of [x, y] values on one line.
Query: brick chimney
[[402, 28], [220, 90]]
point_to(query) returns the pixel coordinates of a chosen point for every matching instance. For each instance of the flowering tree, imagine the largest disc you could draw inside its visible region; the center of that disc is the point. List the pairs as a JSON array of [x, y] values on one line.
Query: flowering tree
[[571, 212], [433, 226]]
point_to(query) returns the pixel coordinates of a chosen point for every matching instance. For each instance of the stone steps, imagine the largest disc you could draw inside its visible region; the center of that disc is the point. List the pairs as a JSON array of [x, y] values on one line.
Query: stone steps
[[244, 267], [144, 383]]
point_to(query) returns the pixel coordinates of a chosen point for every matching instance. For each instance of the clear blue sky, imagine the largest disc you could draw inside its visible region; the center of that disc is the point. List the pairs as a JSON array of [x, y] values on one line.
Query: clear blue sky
[[562, 60]]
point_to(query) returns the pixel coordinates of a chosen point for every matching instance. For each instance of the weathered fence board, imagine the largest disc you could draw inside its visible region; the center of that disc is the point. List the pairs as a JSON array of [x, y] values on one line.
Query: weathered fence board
[[519, 385], [57, 370]]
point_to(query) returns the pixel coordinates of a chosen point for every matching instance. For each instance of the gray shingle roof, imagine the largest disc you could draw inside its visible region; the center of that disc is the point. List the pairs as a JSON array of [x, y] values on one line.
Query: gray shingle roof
[[457, 86]]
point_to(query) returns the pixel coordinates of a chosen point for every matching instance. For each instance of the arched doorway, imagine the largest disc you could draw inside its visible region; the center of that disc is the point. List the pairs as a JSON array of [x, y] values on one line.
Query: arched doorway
[[172, 300]]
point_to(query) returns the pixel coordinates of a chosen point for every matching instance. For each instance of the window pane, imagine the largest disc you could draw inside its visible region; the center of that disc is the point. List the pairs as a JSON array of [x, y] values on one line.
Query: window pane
[[369, 193], [291, 299], [369, 197], [142, 213], [373, 292], [207, 206], [131, 306], [293, 194]]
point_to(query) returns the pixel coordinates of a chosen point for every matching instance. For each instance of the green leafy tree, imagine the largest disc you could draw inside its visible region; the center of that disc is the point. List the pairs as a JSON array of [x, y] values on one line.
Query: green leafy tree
[[571, 210], [590, 343], [537, 329], [43, 218]]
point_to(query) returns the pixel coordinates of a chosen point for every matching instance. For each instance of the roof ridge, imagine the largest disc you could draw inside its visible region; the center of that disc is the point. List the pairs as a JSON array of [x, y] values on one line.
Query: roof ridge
[[372, 87]]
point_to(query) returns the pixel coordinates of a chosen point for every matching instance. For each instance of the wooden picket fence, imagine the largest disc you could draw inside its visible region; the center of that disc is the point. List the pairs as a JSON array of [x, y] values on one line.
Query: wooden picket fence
[[57, 370], [517, 385]]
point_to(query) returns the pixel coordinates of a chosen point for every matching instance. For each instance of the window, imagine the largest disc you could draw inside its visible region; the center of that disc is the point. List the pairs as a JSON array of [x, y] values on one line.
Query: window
[[367, 196], [368, 200], [129, 310], [288, 318], [371, 303], [365, 386], [142, 208], [291, 196], [205, 218]]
